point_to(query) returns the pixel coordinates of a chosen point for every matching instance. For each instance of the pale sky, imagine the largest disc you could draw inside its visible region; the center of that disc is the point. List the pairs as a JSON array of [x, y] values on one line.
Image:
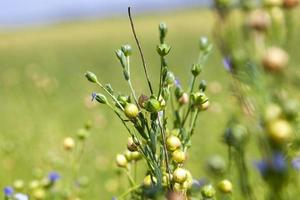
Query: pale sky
[[23, 12]]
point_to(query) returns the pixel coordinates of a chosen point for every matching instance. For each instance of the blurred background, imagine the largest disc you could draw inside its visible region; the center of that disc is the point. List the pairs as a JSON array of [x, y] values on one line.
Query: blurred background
[[45, 48]]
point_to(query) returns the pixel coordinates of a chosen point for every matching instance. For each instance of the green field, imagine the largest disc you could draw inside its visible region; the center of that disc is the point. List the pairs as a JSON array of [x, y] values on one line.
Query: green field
[[44, 96]]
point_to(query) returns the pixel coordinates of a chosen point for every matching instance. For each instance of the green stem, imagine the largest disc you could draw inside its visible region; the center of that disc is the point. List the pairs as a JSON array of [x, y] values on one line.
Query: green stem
[[112, 96], [128, 192]]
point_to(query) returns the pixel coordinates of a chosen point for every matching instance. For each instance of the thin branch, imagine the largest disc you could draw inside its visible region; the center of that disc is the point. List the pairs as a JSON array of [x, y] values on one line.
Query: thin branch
[[140, 50]]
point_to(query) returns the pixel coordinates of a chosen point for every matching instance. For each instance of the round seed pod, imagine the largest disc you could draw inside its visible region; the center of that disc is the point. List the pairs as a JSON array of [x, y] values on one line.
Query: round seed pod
[[68, 143], [272, 112], [173, 143], [131, 146], [225, 186], [208, 191], [147, 182], [184, 99], [135, 155], [39, 194], [259, 20], [179, 175], [178, 156], [275, 59], [131, 111], [204, 106], [279, 131], [121, 161]]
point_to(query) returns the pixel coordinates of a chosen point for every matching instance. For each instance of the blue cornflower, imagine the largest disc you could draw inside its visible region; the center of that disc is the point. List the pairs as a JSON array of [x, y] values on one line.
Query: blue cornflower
[[53, 176], [94, 94], [227, 64], [276, 164], [296, 163], [8, 191]]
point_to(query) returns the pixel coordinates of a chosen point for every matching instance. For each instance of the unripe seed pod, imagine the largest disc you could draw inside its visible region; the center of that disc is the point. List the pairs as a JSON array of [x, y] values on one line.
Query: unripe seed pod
[[153, 105], [135, 155], [204, 106], [179, 175], [148, 181], [173, 143], [69, 143], [163, 29], [208, 191], [184, 99], [225, 186], [179, 156], [82, 134], [131, 111], [91, 77], [131, 146], [204, 44], [39, 194], [127, 50], [101, 98], [275, 59], [189, 181], [34, 184], [170, 78], [121, 161], [280, 131]]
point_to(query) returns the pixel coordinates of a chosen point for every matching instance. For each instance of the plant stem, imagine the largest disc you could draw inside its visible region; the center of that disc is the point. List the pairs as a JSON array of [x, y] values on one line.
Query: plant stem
[[128, 192], [140, 50], [112, 96]]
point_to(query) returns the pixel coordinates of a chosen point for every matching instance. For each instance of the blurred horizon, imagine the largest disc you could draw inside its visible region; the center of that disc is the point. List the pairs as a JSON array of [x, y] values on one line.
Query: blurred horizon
[[15, 13]]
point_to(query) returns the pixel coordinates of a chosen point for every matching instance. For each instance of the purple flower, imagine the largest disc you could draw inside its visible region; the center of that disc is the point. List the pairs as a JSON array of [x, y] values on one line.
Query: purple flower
[[227, 64], [296, 163], [177, 83], [53, 176], [275, 164], [94, 94], [8, 191]]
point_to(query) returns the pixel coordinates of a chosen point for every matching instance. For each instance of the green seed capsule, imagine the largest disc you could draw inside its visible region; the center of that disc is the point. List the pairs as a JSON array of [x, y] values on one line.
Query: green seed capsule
[[39, 194], [91, 77], [173, 143], [131, 111], [153, 105], [179, 175], [121, 161], [170, 78], [179, 156], [208, 191], [196, 69], [101, 98], [147, 182], [225, 186]]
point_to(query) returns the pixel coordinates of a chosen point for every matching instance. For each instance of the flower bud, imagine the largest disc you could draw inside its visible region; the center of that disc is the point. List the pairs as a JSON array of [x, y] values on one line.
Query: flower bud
[[163, 29], [122, 58], [127, 50], [131, 146], [163, 49], [205, 45], [208, 191], [178, 92], [131, 111], [275, 59], [289, 4], [179, 175], [121, 161], [69, 143], [173, 143], [123, 100], [147, 182], [91, 77], [170, 78], [101, 98], [196, 69], [109, 88], [202, 85], [184, 99], [280, 131], [153, 105], [179, 156], [225, 186]]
